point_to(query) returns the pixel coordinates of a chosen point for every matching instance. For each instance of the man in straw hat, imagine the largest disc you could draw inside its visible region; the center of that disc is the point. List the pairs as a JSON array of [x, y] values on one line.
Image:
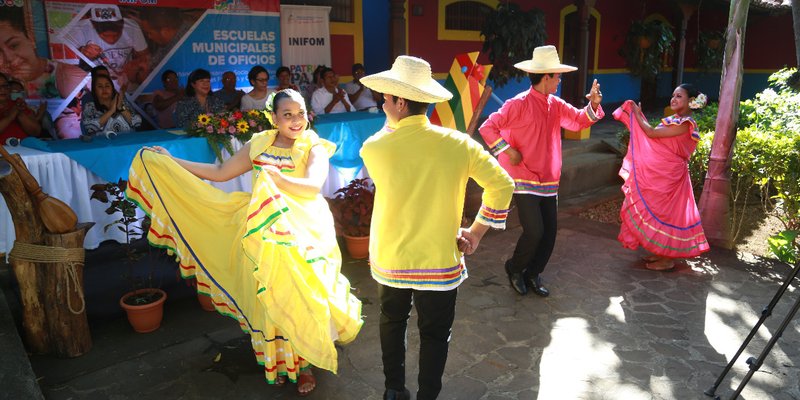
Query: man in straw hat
[[525, 135], [416, 247]]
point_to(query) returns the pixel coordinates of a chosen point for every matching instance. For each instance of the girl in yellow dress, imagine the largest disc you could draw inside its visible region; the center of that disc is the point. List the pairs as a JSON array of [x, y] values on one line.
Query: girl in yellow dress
[[267, 259]]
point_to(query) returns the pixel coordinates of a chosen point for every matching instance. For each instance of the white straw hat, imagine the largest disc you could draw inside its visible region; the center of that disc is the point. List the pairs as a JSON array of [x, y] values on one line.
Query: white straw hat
[[409, 78], [544, 61]]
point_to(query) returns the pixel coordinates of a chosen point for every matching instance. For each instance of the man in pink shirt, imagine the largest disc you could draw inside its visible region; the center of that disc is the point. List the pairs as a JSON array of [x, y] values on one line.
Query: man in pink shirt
[[525, 136]]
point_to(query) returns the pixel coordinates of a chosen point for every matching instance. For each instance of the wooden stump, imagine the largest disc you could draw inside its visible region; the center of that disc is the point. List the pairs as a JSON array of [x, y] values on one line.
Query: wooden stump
[[48, 289], [29, 229], [63, 287]]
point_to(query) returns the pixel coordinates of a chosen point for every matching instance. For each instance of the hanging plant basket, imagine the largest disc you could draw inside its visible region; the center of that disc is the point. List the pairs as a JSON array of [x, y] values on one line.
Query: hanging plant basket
[[646, 46], [710, 51]]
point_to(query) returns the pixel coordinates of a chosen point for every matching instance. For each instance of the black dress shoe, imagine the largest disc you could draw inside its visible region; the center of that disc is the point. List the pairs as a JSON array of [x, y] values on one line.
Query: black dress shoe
[[517, 280], [391, 394], [534, 283]]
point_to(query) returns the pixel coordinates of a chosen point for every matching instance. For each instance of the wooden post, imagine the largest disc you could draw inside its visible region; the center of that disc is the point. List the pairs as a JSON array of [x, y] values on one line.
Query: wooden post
[[397, 32], [476, 114], [29, 229], [687, 9], [63, 287]]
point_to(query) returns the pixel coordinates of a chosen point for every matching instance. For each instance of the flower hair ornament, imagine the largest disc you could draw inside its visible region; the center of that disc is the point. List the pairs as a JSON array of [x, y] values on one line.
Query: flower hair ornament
[[698, 102], [268, 107]]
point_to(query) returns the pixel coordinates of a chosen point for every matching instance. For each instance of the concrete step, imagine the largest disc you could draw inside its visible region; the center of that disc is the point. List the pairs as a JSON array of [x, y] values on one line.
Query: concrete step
[[586, 172]]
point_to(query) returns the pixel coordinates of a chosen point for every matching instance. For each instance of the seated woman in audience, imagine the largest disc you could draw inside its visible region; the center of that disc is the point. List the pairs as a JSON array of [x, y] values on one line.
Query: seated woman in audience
[[198, 99], [284, 76], [108, 111], [257, 98], [165, 100], [17, 120]]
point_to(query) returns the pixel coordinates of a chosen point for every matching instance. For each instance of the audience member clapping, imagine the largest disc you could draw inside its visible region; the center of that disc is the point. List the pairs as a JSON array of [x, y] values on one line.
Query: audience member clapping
[[330, 99], [109, 111]]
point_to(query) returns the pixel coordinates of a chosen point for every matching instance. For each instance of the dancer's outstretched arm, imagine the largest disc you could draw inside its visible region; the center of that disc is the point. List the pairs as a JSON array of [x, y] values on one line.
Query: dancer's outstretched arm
[[238, 164]]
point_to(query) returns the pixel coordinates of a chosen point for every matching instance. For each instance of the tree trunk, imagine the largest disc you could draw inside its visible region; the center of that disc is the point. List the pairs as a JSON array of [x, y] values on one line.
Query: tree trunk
[[29, 229], [796, 19], [63, 288], [715, 200]]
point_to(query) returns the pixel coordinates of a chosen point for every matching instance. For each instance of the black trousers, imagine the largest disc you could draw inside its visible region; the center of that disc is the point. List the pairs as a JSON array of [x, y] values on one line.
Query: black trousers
[[538, 216], [435, 314]]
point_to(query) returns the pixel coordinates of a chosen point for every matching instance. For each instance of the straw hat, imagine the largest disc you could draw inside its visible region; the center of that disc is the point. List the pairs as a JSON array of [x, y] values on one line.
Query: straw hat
[[409, 78], [544, 61]]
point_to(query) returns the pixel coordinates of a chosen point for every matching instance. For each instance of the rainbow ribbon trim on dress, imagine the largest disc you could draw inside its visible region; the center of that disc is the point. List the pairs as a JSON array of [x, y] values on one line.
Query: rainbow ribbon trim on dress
[[494, 218], [534, 187], [431, 279]]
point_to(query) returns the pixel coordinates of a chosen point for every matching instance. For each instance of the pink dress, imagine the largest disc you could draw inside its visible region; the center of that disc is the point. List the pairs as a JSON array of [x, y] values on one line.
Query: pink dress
[[659, 212]]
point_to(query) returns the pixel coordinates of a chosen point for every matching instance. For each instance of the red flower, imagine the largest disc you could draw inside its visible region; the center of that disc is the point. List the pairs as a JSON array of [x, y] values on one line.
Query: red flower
[[223, 123], [237, 115]]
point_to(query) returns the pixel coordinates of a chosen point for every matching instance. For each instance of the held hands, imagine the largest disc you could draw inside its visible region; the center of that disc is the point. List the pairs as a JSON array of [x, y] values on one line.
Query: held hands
[[514, 157], [595, 95]]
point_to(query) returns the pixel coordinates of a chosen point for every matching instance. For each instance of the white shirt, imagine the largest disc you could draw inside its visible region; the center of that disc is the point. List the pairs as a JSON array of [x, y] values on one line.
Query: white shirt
[[251, 103], [322, 97], [116, 55], [364, 100]]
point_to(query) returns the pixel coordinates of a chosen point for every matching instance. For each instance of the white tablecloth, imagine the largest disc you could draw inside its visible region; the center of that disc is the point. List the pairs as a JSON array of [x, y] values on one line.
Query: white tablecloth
[[68, 181], [62, 178]]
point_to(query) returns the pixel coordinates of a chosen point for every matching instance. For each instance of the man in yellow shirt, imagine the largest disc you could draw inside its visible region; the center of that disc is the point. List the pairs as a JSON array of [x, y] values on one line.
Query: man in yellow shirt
[[416, 246]]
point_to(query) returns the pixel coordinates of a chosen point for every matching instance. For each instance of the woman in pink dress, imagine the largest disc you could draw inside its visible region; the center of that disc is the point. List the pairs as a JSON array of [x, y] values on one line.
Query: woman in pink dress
[[659, 211]]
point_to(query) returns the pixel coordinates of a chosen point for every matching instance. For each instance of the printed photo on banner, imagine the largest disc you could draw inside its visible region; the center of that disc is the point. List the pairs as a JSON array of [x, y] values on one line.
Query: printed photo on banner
[[34, 76]]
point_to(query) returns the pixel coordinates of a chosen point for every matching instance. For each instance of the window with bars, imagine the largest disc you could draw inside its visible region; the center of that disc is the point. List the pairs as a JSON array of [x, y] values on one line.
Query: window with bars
[[341, 10], [466, 15]]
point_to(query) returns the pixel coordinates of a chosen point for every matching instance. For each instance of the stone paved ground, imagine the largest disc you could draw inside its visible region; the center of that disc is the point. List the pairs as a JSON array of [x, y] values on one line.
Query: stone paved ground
[[610, 330]]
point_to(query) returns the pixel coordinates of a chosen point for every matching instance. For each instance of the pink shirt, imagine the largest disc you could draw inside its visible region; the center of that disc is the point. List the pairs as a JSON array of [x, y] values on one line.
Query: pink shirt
[[531, 123]]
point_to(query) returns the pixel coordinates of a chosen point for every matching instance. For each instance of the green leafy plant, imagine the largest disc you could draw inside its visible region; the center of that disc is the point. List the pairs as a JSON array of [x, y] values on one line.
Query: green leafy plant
[[134, 227], [351, 207], [510, 35], [646, 46], [710, 50], [765, 164]]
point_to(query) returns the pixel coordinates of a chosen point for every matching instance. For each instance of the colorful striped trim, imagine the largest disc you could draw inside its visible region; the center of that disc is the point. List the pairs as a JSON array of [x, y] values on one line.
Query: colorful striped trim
[[662, 245], [494, 218], [498, 147], [676, 120], [590, 113], [436, 279], [533, 187]]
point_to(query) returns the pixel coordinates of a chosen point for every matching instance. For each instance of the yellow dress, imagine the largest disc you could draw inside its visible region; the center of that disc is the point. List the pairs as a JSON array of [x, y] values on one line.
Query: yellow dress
[[269, 260]]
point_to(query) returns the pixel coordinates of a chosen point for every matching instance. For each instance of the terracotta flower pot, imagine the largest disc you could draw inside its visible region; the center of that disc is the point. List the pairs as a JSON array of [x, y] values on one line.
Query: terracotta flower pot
[[357, 246], [644, 42], [205, 302], [144, 317]]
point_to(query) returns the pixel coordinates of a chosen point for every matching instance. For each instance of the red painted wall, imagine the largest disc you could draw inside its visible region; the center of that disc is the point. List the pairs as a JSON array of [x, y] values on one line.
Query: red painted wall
[[762, 50]]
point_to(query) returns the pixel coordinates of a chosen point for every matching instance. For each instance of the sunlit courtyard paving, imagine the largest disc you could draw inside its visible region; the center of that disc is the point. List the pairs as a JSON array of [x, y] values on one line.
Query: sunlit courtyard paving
[[610, 329]]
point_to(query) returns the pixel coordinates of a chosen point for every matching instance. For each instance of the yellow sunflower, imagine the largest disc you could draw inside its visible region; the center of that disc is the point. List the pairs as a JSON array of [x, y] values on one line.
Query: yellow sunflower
[[253, 113], [203, 119], [242, 126]]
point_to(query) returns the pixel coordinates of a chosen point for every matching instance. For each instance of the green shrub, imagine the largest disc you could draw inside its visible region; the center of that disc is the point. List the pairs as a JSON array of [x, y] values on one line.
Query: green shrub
[[766, 158]]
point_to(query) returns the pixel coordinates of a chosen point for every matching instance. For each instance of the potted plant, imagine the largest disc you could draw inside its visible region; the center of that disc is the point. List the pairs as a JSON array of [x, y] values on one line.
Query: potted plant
[[510, 35], [351, 207], [144, 302], [646, 45], [710, 50]]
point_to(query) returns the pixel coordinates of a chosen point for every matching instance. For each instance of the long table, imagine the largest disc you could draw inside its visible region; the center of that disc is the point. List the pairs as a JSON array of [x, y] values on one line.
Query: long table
[[67, 169]]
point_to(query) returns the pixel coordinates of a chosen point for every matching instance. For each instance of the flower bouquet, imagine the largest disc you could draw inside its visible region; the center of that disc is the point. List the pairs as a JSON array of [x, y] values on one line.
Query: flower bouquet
[[219, 129]]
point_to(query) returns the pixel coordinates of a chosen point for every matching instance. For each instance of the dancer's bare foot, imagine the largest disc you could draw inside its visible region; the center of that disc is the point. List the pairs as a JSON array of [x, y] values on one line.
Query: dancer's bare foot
[[662, 264], [280, 380], [650, 258], [306, 382]]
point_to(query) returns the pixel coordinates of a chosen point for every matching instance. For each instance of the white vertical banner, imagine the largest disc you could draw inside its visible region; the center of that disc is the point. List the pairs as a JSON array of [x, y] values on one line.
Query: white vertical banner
[[305, 41]]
